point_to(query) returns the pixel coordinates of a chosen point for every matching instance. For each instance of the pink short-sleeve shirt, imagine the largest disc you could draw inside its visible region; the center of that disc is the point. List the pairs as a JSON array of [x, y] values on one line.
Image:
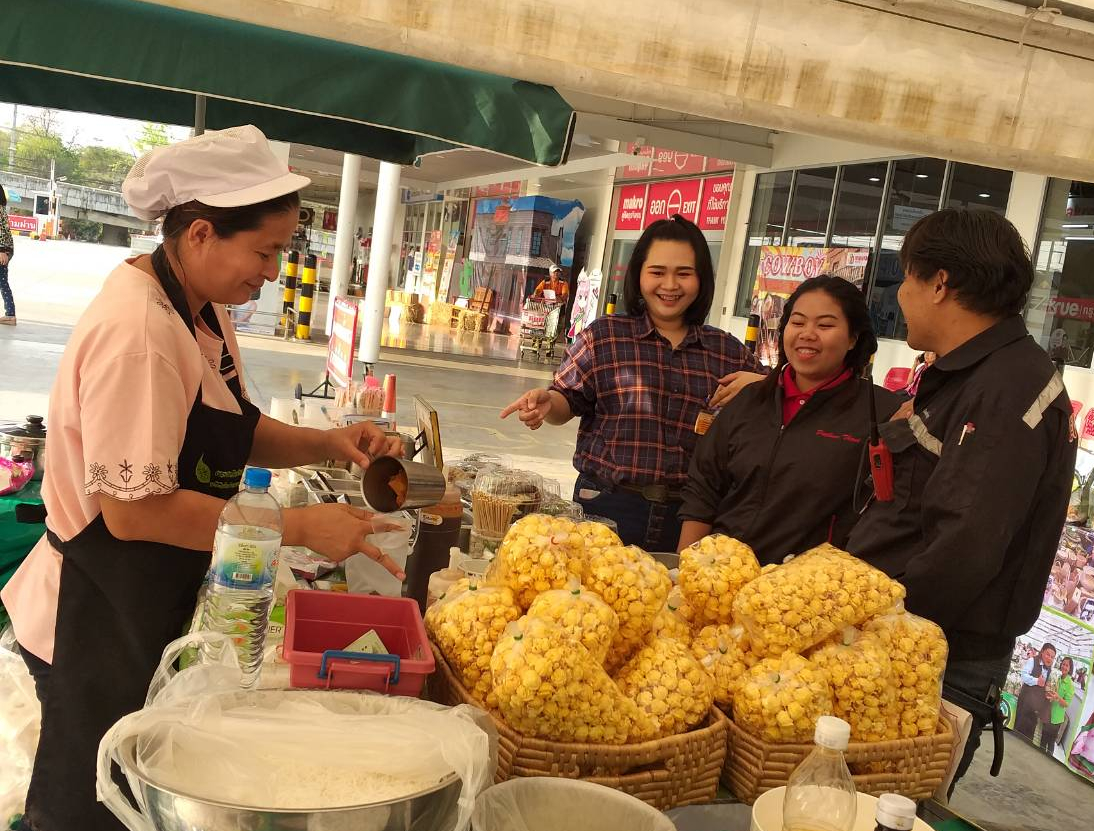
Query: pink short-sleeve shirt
[[117, 418]]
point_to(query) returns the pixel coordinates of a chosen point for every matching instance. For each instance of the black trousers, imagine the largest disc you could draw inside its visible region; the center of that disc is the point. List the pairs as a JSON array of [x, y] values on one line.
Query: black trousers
[[39, 671]]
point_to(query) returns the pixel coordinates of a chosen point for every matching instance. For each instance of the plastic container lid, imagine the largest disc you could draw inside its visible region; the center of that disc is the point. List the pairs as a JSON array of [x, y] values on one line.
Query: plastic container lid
[[257, 477], [895, 811], [832, 732]]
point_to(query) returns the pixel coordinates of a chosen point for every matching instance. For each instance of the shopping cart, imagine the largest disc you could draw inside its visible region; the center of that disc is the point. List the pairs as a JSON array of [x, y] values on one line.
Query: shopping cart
[[539, 326]]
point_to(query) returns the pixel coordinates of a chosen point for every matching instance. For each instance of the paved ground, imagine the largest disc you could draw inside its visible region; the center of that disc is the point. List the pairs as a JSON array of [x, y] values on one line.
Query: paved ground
[[54, 281]]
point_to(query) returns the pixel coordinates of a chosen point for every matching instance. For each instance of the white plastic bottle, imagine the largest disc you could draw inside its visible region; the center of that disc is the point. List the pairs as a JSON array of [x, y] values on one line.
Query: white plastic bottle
[[820, 795], [241, 577], [895, 813]]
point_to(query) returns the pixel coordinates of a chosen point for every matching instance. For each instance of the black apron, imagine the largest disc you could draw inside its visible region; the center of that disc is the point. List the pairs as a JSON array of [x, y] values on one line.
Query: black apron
[[120, 604]]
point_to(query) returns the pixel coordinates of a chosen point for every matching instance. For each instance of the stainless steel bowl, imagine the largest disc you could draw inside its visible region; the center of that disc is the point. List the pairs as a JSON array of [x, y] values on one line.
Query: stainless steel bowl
[[433, 809]]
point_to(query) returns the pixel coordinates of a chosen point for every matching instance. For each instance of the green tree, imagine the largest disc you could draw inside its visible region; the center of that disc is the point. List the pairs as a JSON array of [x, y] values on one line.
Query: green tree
[[102, 167], [152, 136], [41, 142], [82, 229]]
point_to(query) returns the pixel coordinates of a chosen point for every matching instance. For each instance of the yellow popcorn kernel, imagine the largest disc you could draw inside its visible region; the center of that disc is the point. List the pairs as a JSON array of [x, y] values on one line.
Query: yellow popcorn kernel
[[712, 571]]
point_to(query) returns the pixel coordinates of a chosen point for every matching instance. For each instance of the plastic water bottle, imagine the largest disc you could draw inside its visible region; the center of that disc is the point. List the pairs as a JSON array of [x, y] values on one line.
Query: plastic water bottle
[[820, 795], [241, 577]]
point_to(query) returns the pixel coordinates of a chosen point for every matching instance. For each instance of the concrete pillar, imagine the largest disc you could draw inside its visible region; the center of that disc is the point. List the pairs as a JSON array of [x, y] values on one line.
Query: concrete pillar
[[344, 239], [1024, 209], [603, 218], [729, 276], [383, 229]]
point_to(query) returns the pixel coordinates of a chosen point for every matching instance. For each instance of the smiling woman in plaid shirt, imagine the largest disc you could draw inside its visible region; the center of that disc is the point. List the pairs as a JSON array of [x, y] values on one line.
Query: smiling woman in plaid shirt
[[641, 383]]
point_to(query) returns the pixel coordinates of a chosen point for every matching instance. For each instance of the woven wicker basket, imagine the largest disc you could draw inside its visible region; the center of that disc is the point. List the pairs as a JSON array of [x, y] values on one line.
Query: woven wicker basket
[[679, 770], [912, 767]]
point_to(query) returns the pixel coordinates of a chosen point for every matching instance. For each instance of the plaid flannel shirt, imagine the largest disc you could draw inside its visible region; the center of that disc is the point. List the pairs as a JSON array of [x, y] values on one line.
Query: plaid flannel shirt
[[638, 398]]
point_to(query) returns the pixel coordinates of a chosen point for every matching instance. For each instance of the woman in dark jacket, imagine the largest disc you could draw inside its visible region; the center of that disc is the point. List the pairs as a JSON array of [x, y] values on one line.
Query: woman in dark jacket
[[780, 466]]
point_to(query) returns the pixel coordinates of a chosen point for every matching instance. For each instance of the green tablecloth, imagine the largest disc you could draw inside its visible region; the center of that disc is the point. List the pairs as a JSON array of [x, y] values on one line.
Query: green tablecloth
[[16, 539]]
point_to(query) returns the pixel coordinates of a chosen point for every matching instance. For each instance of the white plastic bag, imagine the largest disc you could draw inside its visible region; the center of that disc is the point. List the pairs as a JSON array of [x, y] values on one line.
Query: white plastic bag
[[364, 575], [296, 750], [20, 722], [542, 803]]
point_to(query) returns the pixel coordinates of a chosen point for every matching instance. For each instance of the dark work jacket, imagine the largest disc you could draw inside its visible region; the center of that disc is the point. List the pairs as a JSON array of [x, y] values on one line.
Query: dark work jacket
[[783, 490], [974, 524]]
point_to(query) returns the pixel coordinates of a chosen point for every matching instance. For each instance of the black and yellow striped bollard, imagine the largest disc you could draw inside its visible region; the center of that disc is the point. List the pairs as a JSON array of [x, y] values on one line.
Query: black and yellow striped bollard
[[307, 298], [288, 297]]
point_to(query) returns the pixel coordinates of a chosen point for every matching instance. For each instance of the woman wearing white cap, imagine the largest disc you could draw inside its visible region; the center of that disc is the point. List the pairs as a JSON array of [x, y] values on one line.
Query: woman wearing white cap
[[150, 429]]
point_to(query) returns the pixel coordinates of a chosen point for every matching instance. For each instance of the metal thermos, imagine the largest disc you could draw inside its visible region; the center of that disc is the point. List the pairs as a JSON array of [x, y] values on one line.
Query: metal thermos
[[438, 532]]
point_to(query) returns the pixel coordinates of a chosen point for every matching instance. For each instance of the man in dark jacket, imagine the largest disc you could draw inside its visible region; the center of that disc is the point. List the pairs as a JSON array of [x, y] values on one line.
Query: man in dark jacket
[[983, 468]]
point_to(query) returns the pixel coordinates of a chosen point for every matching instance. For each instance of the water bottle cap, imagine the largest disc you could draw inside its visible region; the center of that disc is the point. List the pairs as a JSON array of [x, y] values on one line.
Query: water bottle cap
[[896, 812], [832, 732], [257, 477]]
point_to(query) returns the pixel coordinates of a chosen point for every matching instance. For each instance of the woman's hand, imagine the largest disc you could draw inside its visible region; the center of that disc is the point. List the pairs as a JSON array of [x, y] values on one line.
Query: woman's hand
[[5, 257], [731, 385], [905, 412], [532, 408], [360, 443], [339, 531]]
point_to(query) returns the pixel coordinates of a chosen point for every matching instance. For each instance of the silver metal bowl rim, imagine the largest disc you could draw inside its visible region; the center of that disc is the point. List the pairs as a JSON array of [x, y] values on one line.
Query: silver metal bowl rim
[[128, 762]]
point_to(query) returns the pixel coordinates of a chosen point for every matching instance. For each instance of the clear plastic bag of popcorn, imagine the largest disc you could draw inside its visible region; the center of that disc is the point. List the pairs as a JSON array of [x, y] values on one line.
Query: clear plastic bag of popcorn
[[582, 613], [597, 536], [712, 571], [636, 586], [807, 600], [673, 621], [780, 699], [466, 624], [723, 650], [548, 685], [861, 676], [917, 650], [539, 553], [669, 685]]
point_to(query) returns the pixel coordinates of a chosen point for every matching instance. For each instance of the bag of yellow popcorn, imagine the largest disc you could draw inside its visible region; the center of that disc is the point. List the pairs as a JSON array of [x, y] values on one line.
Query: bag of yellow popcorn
[[548, 685], [712, 571], [582, 614], [917, 650], [861, 676], [669, 684], [809, 599], [673, 621], [636, 586], [539, 553], [723, 651], [780, 699], [466, 624]]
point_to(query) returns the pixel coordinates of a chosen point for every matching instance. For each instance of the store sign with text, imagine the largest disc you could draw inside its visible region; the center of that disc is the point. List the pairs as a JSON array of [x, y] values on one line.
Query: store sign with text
[[23, 224], [343, 337], [657, 162], [712, 212], [498, 189], [1072, 308], [667, 198], [632, 208]]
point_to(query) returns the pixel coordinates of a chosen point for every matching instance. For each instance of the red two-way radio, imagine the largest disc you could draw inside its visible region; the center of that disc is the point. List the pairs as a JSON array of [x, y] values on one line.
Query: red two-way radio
[[881, 459]]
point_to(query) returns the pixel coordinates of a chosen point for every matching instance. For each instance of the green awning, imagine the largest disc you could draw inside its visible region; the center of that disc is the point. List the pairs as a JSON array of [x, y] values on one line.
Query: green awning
[[145, 61]]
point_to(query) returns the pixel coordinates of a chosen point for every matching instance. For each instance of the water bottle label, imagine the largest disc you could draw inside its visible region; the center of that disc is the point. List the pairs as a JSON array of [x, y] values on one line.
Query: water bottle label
[[244, 564]]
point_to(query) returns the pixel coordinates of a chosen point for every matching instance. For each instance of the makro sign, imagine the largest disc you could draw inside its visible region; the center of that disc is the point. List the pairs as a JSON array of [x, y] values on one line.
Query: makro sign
[[716, 192], [632, 208]]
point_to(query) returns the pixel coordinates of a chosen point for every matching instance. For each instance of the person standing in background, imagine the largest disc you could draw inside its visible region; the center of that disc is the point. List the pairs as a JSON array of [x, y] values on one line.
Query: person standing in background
[[1059, 700], [1033, 702], [7, 249]]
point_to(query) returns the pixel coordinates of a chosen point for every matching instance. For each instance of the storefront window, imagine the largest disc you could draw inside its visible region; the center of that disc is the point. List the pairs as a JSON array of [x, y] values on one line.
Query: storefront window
[[915, 192], [765, 227], [1060, 313], [858, 205], [810, 207], [972, 186]]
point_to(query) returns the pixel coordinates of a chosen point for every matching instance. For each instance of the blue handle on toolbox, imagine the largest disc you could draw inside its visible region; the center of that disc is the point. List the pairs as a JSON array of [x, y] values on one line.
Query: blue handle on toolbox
[[334, 654]]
